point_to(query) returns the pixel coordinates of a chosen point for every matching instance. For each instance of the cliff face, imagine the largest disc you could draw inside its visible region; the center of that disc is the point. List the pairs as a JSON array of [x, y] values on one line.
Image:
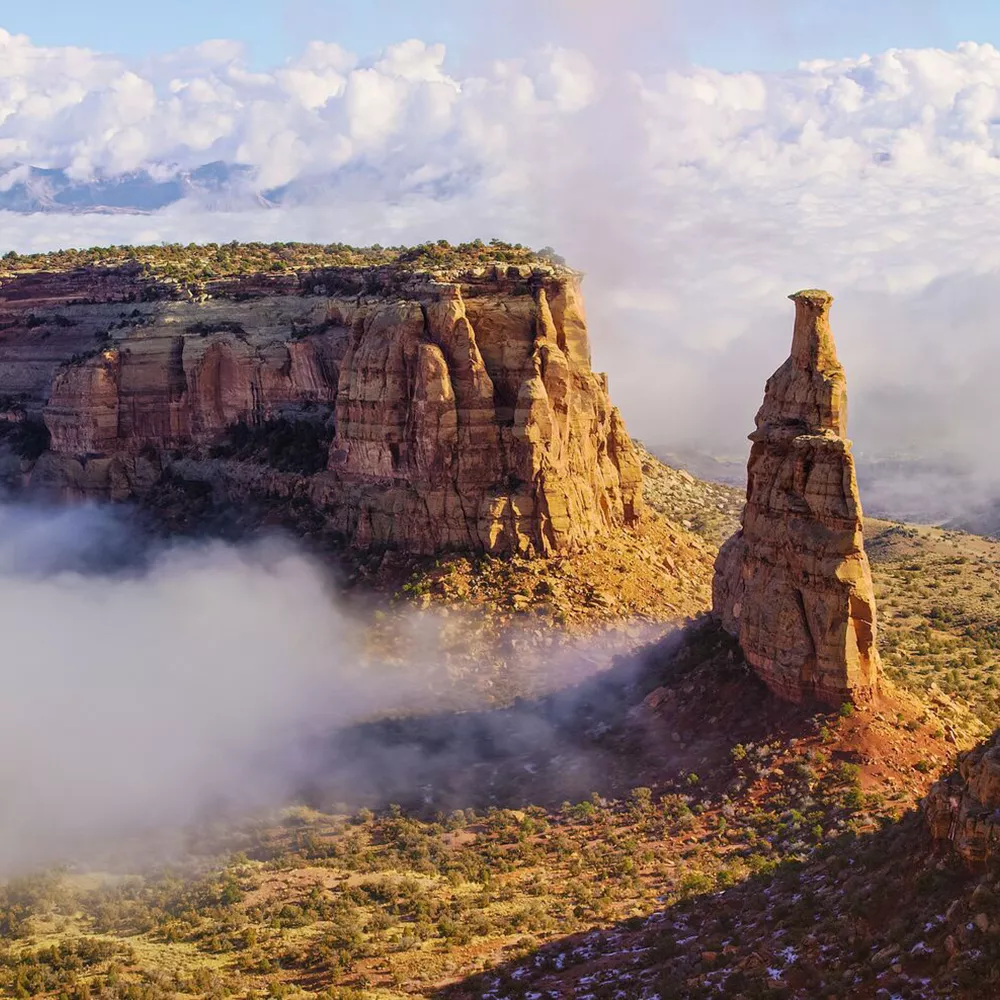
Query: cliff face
[[964, 808], [461, 411], [794, 585]]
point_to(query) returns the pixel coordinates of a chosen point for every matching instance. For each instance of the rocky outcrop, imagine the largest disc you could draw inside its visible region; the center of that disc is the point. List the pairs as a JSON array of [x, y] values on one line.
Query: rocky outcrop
[[461, 409], [794, 585], [963, 809]]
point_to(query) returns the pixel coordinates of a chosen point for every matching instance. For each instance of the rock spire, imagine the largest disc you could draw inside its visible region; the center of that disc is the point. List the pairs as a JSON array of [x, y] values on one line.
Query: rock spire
[[794, 585]]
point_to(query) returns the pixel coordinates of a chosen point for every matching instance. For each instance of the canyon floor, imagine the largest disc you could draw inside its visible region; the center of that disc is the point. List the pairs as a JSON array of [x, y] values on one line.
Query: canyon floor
[[604, 803]]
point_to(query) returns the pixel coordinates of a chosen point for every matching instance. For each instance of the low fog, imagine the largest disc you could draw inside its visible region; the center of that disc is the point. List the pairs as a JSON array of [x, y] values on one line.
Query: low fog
[[142, 687], [148, 686]]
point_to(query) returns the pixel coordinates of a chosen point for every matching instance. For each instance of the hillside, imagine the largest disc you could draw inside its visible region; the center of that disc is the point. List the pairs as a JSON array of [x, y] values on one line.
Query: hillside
[[940, 623], [709, 509], [875, 915], [691, 849], [666, 806], [519, 626]]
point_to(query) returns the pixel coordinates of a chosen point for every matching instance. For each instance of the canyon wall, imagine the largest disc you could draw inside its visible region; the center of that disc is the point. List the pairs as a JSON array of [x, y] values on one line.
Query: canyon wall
[[455, 411], [794, 585]]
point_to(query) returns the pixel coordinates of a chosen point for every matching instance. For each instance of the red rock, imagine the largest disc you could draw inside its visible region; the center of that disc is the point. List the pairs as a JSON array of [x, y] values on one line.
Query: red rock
[[963, 809], [467, 414], [794, 585]]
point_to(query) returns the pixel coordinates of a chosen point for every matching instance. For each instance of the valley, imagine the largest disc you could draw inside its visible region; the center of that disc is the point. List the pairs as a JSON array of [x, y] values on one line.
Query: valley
[[639, 767]]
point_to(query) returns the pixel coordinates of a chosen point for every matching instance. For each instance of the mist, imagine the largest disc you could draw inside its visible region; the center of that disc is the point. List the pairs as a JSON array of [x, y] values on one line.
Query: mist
[[152, 687], [140, 692]]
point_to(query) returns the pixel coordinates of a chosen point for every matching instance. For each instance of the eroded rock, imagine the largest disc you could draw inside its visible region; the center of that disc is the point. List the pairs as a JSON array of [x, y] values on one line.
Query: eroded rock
[[794, 585], [462, 409], [964, 807]]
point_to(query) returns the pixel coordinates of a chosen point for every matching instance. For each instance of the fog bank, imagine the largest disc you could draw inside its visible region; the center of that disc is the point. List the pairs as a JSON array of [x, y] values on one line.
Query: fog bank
[[144, 691]]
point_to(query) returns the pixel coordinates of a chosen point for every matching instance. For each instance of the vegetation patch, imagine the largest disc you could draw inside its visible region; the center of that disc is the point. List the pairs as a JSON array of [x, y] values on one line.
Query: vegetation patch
[[220, 326], [286, 445], [939, 621], [27, 438], [197, 263]]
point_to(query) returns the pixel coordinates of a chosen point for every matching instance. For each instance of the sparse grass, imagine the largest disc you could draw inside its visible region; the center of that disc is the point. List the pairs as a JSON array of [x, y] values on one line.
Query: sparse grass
[[194, 264], [939, 620], [399, 903]]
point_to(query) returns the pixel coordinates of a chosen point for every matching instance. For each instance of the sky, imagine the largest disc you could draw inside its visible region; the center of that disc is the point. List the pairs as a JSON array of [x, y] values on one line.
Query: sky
[[698, 159], [275, 30]]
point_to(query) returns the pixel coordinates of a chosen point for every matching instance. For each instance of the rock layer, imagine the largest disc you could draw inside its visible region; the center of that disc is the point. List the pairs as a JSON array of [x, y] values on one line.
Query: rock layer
[[963, 809], [462, 408], [794, 585]]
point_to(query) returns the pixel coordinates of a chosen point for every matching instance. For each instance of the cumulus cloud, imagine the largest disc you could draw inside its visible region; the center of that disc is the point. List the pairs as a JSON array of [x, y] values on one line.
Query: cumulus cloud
[[694, 199]]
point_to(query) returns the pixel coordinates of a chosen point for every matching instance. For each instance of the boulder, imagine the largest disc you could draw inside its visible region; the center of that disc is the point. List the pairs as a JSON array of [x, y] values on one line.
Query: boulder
[[963, 808]]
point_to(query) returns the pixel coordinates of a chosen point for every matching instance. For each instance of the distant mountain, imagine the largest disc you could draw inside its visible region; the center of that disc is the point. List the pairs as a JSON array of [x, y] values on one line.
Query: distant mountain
[[217, 185], [26, 188]]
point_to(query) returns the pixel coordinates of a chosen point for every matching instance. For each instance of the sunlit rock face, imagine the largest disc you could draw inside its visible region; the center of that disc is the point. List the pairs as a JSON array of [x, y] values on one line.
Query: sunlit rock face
[[461, 409], [794, 585]]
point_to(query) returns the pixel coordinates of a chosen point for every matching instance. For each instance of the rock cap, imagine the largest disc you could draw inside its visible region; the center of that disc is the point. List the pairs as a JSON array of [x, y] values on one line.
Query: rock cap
[[816, 295], [813, 348]]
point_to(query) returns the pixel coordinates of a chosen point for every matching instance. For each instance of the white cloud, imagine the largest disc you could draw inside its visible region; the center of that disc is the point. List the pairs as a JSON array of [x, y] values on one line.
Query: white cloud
[[694, 199], [194, 679]]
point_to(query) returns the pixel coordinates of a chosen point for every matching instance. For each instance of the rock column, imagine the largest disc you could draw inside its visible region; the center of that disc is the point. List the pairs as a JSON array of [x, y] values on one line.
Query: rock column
[[794, 585]]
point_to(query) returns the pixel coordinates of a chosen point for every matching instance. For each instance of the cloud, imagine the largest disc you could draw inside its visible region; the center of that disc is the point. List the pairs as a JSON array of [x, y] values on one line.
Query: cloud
[[151, 686], [694, 199]]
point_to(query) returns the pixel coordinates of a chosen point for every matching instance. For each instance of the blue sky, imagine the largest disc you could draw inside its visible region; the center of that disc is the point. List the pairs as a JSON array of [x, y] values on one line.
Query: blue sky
[[765, 34]]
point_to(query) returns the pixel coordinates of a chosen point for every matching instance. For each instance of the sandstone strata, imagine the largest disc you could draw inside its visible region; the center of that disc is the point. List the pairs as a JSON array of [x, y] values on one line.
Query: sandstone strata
[[964, 808], [462, 409], [794, 585]]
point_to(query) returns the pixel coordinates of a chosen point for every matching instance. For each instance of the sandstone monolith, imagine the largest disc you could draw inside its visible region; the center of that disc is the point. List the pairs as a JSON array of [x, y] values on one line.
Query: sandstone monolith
[[794, 585]]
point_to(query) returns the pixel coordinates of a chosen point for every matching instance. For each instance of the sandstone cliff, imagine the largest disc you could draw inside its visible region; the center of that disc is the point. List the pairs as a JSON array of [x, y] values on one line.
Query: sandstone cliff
[[794, 585], [964, 808], [454, 410]]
